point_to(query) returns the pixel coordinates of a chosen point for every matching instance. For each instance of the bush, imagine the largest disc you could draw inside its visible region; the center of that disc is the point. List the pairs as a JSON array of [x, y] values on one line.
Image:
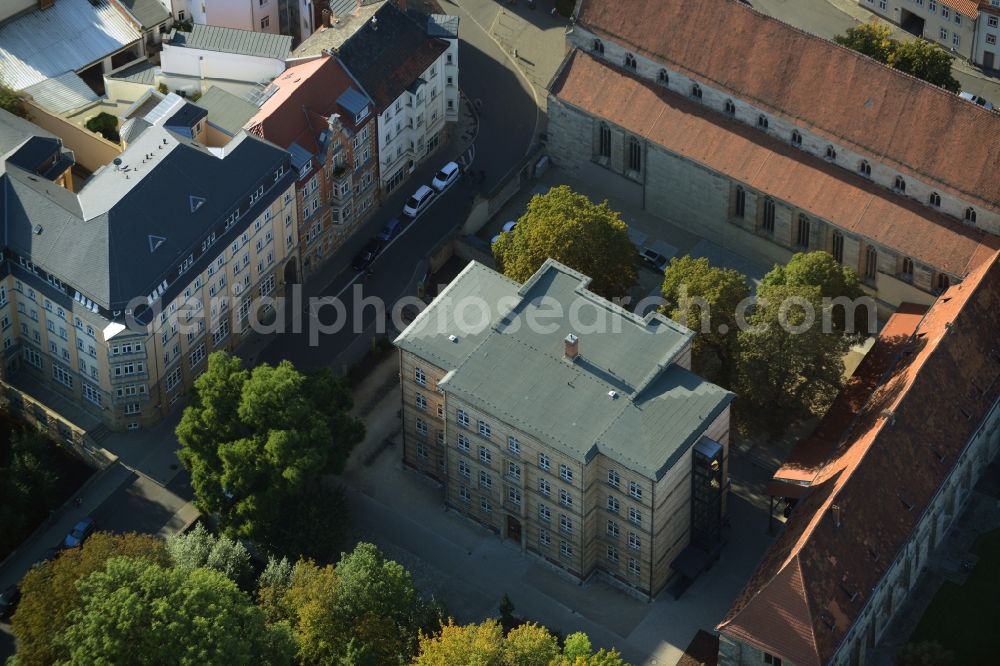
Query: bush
[[106, 125], [9, 101]]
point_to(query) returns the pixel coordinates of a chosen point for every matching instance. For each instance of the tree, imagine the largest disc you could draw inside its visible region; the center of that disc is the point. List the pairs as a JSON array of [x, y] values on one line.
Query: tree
[[924, 653], [530, 645], [566, 226], [104, 124], [135, 611], [873, 39], [705, 299], [10, 102], [272, 584], [472, 645], [927, 61], [820, 269], [788, 367], [258, 445], [49, 592], [199, 548], [28, 486]]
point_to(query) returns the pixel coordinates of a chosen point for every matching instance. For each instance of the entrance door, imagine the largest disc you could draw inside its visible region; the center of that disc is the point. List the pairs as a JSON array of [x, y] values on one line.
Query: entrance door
[[988, 60], [513, 529]]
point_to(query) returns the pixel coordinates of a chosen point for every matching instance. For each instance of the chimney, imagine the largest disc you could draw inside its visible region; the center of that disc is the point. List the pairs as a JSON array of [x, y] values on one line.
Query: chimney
[[333, 122], [326, 18], [45, 4], [374, 23], [572, 347]]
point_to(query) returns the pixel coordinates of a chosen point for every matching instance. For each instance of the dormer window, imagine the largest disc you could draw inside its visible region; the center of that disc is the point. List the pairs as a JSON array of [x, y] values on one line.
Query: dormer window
[[865, 169], [696, 91], [663, 78], [899, 185], [831, 153], [796, 138], [970, 215], [730, 107], [630, 62], [935, 200], [762, 122], [361, 115], [598, 46]]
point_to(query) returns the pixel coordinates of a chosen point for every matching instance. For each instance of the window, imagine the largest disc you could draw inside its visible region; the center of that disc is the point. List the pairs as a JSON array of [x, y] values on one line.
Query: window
[[565, 498], [543, 461], [464, 469], [970, 215], [33, 357], [865, 169], [762, 122], [613, 478], [543, 538], [696, 91], [767, 223], [730, 107], [513, 444], [544, 487], [943, 281], [485, 430], [131, 408], [635, 490], [598, 46], [871, 262], [440, 411], [663, 78], [485, 481], [485, 456], [991, 38], [421, 427], [899, 184], [831, 153], [514, 495], [943, 34], [222, 332], [613, 505], [513, 471], [612, 529], [907, 268], [612, 554], [198, 355], [265, 22], [484, 505], [566, 473], [771, 659], [633, 541], [633, 566], [463, 442], [544, 514], [741, 202], [956, 39], [634, 154], [604, 141], [934, 199], [802, 235], [464, 494], [796, 138], [630, 62], [463, 418], [92, 393], [565, 549], [634, 515], [946, 12], [993, 22], [421, 402], [62, 375], [421, 378], [837, 249], [173, 379], [565, 523]]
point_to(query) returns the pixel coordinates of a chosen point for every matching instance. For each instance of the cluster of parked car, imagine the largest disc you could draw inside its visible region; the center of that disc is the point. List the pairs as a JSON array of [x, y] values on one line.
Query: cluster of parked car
[[412, 209]]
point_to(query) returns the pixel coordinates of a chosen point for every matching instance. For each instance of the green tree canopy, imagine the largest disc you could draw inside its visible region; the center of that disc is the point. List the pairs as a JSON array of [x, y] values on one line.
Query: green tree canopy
[[788, 368], [820, 269], [925, 60], [10, 102], [200, 549], [49, 591], [138, 612], [873, 39], [258, 445], [566, 226], [28, 484], [705, 298]]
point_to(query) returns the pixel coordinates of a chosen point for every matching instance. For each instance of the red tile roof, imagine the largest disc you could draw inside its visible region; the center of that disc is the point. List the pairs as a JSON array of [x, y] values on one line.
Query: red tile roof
[[849, 99], [816, 579], [769, 165], [305, 95], [968, 7]]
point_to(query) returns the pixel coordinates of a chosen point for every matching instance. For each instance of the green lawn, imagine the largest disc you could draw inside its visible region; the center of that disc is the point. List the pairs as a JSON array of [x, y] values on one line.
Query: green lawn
[[963, 618]]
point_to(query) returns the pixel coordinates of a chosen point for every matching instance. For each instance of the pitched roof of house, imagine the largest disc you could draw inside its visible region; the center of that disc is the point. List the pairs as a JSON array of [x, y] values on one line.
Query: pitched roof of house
[[147, 12], [767, 164], [968, 7], [349, 18], [854, 101], [623, 396], [865, 502], [143, 72], [233, 40], [304, 96], [387, 56], [226, 110], [63, 93], [65, 37]]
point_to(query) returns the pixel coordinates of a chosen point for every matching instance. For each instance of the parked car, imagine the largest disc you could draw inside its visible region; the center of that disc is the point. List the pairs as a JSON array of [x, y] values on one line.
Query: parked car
[[8, 601], [80, 532], [445, 177], [976, 99], [509, 226], [416, 204], [367, 255], [390, 230], [655, 260]]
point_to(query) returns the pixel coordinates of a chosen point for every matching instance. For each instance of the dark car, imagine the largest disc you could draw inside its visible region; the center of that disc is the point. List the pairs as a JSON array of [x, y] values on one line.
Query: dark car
[[49, 555], [390, 230], [367, 255], [655, 260], [8, 601], [80, 532]]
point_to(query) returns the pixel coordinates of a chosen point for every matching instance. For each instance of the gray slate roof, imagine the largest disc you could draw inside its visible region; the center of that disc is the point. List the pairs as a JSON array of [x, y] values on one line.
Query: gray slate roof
[[98, 241], [62, 94], [349, 21], [518, 372], [231, 40], [225, 110], [64, 38], [147, 12], [144, 73], [442, 25]]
